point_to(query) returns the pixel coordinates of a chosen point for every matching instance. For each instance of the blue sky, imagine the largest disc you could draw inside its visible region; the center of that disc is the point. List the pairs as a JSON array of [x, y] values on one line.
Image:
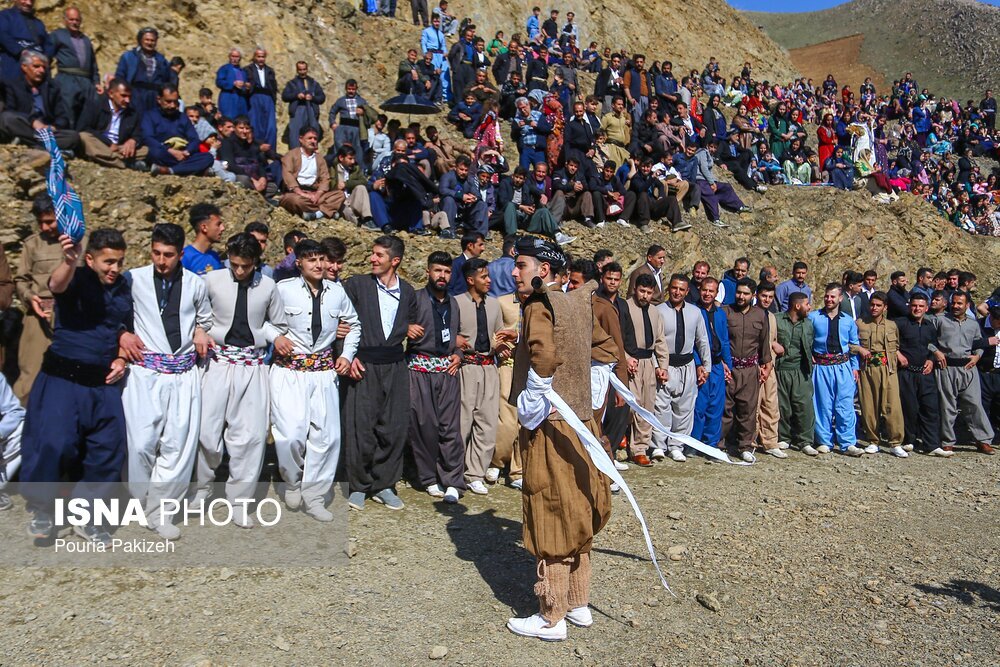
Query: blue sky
[[799, 5]]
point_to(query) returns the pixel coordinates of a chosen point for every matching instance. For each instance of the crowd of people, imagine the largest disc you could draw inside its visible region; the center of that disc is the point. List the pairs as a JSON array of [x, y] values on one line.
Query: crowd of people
[[643, 147]]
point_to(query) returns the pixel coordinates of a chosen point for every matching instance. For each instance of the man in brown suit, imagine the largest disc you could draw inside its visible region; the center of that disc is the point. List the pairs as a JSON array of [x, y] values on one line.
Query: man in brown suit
[[40, 255], [767, 403], [444, 151], [648, 362], [566, 500], [656, 257], [306, 180], [751, 350], [878, 380]]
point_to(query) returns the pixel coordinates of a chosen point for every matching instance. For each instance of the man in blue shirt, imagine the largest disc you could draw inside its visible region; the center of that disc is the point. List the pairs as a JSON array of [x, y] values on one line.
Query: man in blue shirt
[[711, 400], [93, 305], [199, 257], [835, 375], [432, 41], [473, 245], [501, 278], [797, 283], [171, 138]]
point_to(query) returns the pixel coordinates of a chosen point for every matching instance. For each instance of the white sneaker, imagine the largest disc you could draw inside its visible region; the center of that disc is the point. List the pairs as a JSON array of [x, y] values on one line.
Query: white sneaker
[[580, 617], [899, 451], [657, 454], [761, 188], [622, 221], [871, 449], [823, 449], [620, 466], [434, 491], [783, 445], [908, 448], [600, 225], [492, 475], [320, 513], [940, 452], [451, 495], [854, 450], [516, 484], [241, 518], [293, 498], [535, 626], [564, 239], [748, 457], [809, 450], [478, 487], [167, 530], [776, 453], [678, 455], [201, 496]]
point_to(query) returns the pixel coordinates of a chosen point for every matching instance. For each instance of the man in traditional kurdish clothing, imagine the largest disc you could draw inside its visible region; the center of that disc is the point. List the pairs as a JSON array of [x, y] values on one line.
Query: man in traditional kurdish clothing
[[878, 380], [794, 370], [303, 95], [768, 415], [648, 363], [305, 396], [711, 401], [566, 500], [262, 90], [346, 116]]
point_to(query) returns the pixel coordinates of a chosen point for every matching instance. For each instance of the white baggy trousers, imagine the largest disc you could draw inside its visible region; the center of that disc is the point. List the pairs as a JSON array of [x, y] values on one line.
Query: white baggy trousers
[[305, 425]]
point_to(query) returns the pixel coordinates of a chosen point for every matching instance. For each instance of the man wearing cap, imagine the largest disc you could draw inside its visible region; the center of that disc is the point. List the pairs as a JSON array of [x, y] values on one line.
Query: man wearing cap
[[566, 500]]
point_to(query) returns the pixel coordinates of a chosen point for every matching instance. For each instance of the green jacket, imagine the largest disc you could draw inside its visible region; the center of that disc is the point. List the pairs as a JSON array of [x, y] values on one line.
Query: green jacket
[[356, 178], [797, 339]]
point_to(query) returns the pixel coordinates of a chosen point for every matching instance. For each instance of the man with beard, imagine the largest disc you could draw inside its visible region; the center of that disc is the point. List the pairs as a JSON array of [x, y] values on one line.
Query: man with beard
[[768, 414], [345, 118], [648, 362], [171, 138], [306, 180], [794, 370], [878, 380], [303, 95], [262, 90], [917, 387], [109, 129], [711, 401]]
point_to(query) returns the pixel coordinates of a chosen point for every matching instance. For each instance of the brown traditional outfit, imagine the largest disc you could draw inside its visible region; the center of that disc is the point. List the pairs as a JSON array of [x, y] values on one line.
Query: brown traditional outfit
[[507, 453], [39, 257], [329, 202], [767, 402], [650, 349], [878, 382], [751, 348]]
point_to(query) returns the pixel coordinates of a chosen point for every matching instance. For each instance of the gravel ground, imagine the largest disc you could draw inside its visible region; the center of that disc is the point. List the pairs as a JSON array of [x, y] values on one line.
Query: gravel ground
[[829, 561]]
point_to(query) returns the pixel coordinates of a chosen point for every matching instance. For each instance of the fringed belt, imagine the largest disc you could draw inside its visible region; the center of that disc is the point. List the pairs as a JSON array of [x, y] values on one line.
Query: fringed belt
[[312, 362], [426, 363], [878, 359], [831, 359], [476, 359], [239, 356], [746, 362], [167, 364]]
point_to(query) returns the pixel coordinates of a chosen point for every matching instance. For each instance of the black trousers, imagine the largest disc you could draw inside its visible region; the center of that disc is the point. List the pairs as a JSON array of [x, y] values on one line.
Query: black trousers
[[435, 429], [650, 208], [616, 421], [990, 385], [18, 125], [918, 394], [376, 425], [738, 167]]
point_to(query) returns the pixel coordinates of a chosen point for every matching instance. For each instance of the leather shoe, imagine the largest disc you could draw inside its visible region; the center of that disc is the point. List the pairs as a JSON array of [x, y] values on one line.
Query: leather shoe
[[948, 448], [642, 460], [984, 448]]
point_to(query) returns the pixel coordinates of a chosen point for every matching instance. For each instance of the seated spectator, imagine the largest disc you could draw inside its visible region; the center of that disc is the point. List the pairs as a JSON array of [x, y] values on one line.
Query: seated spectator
[[616, 203], [482, 89], [418, 154], [349, 178], [580, 133], [529, 130], [798, 171], [511, 90], [674, 182], [519, 206], [713, 193], [32, 97], [465, 115], [379, 143], [444, 150], [409, 79], [769, 169], [840, 170], [590, 59], [460, 198], [652, 200], [306, 180], [171, 138], [542, 184], [241, 156], [736, 160], [109, 129]]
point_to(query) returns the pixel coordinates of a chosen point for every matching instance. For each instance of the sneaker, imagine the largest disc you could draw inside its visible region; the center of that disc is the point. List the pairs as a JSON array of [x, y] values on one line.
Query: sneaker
[[389, 498], [907, 448], [809, 450], [201, 496], [479, 487], [761, 188], [871, 449], [823, 449], [718, 223], [41, 526], [434, 491], [166, 530], [748, 457], [744, 209], [600, 225], [777, 453], [5, 502], [492, 475], [677, 455], [451, 495], [658, 454], [622, 221], [853, 450], [615, 489], [447, 234], [93, 534], [241, 518], [564, 239], [944, 453], [580, 617], [588, 223], [899, 451], [516, 484], [370, 226], [537, 626], [319, 512], [356, 501], [783, 445], [681, 226], [293, 498], [620, 466]]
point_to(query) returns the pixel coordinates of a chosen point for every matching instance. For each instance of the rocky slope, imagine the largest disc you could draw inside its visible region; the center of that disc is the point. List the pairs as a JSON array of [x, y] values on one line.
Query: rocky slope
[[949, 45], [830, 230]]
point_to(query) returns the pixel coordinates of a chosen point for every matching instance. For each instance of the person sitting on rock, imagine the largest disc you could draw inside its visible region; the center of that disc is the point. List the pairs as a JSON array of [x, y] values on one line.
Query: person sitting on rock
[[32, 96], [347, 176], [242, 157], [171, 138], [107, 142], [465, 116]]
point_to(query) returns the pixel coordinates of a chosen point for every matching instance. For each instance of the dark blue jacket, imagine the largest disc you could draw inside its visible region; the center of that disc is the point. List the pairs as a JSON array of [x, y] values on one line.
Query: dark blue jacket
[[719, 343], [729, 282], [17, 33], [157, 128]]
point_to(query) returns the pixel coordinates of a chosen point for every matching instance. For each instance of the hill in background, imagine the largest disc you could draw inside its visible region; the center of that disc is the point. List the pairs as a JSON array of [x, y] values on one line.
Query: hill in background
[[949, 45]]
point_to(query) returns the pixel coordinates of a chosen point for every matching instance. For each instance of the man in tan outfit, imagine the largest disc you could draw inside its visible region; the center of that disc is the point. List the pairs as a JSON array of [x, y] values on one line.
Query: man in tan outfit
[[479, 323], [40, 255], [507, 454], [566, 501], [648, 361], [767, 401], [878, 383], [306, 181]]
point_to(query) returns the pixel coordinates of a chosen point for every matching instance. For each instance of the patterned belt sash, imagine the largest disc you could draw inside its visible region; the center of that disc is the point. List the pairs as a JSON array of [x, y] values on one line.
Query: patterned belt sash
[[831, 359], [878, 359], [239, 356], [168, 364], [426, 363], [746, 362], [476, 359], [311, 362]]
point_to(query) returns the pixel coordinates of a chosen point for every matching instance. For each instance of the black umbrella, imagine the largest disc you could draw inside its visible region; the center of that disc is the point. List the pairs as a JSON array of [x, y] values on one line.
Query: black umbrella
[[409, 104]]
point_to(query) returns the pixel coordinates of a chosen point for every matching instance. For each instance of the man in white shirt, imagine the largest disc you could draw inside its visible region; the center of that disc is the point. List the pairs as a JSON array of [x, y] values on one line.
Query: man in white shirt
[[306, 181], [162, 393], [305, 396], [247, 316]]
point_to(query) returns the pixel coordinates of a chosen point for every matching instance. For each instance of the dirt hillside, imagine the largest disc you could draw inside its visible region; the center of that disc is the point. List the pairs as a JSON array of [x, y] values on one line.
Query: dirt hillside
[[842, 57]]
